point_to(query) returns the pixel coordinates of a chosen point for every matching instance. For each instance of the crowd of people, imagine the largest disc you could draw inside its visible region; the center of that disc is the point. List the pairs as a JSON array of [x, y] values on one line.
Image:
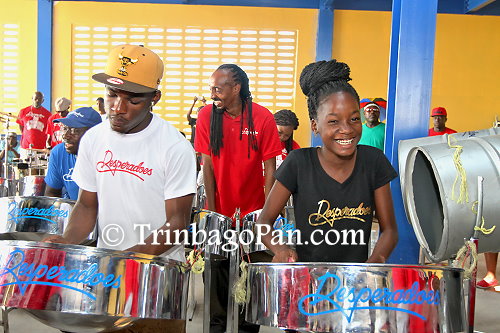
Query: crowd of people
[[123, 164]]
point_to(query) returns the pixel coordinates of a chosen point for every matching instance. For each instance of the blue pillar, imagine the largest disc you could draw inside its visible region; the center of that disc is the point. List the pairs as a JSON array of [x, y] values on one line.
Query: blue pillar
[[44, 51], [409, 96], [324, 43]]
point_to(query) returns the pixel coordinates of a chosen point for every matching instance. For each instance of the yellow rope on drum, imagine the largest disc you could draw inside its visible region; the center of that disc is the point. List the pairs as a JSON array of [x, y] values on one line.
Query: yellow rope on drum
[[469, 249], [195, 259], [239, 289], [482, 228], [464, 193]]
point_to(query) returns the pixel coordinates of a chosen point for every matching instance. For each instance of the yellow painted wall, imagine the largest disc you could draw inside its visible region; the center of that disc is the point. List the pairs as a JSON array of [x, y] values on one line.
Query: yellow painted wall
[[467, 70], [23, 13], [466, 65], [92, 13], [362, 40]]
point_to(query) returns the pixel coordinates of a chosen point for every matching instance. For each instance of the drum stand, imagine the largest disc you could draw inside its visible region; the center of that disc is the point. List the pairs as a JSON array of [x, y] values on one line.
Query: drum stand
[[206, 294], [232, 321], [191, 302], [6, 159], [5, 320], [234, 269]]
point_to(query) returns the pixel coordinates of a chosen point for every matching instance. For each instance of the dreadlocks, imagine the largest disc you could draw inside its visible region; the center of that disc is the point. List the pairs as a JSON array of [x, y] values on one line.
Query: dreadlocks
[[216, 135], [320, 79], [287, 118]]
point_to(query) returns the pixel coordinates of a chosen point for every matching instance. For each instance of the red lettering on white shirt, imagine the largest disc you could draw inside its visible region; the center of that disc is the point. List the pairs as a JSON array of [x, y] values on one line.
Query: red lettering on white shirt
[[108, 164]]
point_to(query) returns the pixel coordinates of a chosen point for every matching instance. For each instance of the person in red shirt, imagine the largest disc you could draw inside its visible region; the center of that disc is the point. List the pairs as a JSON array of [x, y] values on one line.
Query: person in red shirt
[[32, 122], [53, 130], [235, 136], [286, 122], [439, 116]]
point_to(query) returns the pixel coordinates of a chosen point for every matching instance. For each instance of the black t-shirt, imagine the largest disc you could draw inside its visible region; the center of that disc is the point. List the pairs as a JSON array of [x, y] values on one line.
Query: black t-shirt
[[344, 210]]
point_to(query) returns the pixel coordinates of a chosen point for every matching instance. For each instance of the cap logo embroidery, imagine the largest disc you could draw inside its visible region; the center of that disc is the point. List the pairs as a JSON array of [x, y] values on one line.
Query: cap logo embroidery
[[114, 80], [126, 61], [78, 114]]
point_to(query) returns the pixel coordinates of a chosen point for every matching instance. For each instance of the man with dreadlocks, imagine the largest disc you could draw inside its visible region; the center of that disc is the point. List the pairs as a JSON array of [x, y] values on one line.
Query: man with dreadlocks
[[235, 136], [286, 122]]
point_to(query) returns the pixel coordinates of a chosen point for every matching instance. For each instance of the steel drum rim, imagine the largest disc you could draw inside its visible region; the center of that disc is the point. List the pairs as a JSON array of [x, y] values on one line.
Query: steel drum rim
[[198, 211], [88, 250], [42, 197], [258, 211], [360, 265]]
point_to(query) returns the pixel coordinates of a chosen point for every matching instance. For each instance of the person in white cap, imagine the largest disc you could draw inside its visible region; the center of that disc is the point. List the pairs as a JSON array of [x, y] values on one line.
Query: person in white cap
[[53, 129], [134, 169], [373, 130]]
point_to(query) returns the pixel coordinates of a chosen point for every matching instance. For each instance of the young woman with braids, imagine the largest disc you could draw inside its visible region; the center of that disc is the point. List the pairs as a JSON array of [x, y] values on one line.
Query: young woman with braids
[[338, 185], [286, 122], [235, 136]]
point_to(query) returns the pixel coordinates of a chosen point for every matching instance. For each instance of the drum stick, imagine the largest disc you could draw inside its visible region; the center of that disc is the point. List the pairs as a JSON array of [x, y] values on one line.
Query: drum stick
[[8, 115]]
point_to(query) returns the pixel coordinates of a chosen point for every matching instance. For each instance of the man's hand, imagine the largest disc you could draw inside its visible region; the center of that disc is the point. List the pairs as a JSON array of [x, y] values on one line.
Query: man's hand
[[195, 99], [55, 239], [286, 256]]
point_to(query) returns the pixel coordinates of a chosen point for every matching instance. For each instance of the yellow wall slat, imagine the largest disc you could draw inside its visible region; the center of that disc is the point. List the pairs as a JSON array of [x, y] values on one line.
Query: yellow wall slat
[[18, 49], [272, 45]]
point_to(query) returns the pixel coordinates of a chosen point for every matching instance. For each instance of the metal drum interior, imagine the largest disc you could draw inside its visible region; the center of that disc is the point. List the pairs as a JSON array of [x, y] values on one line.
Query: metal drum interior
[[249, 232], [8, 188], [211, 226], [83, 289], [441, 223], [32, 186], [331, 297], [34, 218]]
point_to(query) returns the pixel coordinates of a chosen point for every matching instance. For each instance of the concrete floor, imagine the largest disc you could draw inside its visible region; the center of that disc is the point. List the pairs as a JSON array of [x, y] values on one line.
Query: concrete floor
[[487, 315]]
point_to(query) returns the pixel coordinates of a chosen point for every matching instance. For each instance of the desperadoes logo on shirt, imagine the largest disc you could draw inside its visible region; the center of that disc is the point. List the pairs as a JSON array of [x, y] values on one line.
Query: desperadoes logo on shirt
[[68, 177], [247, 132], [325, 214], [108, 164]]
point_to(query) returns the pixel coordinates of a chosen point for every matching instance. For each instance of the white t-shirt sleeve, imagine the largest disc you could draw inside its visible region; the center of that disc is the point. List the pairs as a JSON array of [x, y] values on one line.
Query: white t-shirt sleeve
[[180, 170], [84, 172]]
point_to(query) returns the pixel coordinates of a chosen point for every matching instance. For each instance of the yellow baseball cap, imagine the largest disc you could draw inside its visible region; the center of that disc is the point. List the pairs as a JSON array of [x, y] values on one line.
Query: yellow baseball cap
[[132, 68]]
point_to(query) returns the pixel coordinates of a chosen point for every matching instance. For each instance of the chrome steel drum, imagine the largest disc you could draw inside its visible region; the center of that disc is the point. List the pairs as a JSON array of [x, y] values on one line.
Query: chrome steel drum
[[34, 218], [210, 232], [32, 186], [329, 297], [250, 241], [200, 198], [250, 238], [8, 188], [83, 289]]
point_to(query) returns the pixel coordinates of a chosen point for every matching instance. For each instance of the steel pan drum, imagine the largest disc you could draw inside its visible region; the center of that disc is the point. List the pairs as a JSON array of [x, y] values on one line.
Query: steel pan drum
[[34, 218], [32, 186], [210, 233], [329, 297], [8, 188], [249, 231], [83, 289]]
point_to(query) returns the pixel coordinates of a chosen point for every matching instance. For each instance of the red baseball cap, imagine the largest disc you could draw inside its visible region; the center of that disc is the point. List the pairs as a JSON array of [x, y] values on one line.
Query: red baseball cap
[[439, 111]]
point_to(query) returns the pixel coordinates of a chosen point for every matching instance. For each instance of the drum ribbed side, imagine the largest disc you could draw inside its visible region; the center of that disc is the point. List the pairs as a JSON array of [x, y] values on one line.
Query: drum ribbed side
[[439, 200]]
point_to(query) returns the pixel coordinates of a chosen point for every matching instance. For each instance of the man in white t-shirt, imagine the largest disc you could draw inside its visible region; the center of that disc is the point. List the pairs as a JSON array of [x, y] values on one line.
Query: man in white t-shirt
[[134, 169]]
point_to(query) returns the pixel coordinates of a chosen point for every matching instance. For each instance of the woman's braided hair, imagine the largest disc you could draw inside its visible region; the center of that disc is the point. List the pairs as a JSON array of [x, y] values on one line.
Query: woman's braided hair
[[216, 135], [287, 118], [320, 79]]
